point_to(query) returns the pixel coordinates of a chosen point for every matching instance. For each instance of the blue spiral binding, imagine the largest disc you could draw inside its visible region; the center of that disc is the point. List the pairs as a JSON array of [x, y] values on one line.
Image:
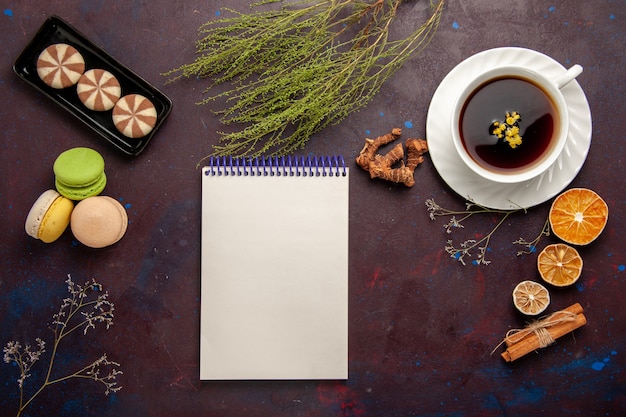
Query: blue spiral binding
[[288, 166]]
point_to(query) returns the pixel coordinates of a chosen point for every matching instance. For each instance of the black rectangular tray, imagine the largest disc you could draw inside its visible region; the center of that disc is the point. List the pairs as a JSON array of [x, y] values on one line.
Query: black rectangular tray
[[55, 30]]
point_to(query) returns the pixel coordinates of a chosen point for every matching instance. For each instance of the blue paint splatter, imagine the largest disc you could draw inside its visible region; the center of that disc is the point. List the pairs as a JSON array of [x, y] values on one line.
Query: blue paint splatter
[[381, 114], [455, 25], [612, 17], [408, 124], [528, 395], [72, 407], [551, 9], [598, 366], [368, 132], [621, 268], [26, 298], [217, 13], [113, 398], [8, 12]]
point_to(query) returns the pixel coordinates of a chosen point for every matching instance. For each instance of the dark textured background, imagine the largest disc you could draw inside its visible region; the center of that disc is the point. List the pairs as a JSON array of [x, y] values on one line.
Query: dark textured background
[[422, 325]]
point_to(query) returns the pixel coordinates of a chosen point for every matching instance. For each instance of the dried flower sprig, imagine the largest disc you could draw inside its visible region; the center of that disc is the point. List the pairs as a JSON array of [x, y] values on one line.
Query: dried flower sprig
[[532, 244], [86, 306], [465, 248], [298, 69]]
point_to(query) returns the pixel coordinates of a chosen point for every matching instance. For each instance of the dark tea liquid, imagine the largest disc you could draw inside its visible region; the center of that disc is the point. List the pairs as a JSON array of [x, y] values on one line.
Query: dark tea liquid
[[489, 103]]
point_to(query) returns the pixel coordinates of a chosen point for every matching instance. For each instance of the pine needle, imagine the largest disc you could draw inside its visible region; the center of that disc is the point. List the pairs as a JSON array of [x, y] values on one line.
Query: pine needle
[[293, 71]]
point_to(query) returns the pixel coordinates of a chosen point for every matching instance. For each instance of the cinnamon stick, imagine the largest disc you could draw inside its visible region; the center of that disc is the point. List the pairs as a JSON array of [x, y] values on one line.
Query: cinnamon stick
[[544, 332]]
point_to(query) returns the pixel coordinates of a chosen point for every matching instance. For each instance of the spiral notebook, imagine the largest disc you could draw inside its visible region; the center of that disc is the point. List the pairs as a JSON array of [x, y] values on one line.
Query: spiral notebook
[[274, 269]]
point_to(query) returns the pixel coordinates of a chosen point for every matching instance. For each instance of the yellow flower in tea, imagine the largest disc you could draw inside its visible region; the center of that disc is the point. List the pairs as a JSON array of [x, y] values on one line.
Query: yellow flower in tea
[[512, 118], [513, 137], [498, 129], [508, 130]]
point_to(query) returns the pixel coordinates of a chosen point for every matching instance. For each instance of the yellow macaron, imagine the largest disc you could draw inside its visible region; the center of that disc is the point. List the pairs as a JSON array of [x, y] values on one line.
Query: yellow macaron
[[49, 216]]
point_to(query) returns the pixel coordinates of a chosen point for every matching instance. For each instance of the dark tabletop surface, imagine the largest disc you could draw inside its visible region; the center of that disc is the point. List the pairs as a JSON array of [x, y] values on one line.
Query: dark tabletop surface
[[422, 326]]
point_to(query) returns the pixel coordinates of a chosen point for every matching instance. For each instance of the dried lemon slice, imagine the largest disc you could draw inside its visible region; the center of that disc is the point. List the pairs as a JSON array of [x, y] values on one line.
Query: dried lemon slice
[[559, 264], [531, 298], [578, 216]]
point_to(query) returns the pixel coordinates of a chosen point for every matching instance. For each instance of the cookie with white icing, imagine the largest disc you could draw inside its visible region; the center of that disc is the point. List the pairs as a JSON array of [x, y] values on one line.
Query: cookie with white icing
[[98, 90], [60, 65], [134, 116]]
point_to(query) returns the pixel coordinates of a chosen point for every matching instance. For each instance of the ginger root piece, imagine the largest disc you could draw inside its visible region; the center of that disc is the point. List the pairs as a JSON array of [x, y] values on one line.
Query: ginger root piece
[[416, 148], [371, 146], [382, 166]]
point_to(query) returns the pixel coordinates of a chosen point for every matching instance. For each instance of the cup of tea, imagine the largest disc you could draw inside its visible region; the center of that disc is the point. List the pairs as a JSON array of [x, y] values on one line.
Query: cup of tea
[[510, 123]]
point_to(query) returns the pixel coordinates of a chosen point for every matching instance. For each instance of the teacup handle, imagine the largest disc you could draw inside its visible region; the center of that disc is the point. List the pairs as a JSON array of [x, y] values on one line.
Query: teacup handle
[[568, 76]]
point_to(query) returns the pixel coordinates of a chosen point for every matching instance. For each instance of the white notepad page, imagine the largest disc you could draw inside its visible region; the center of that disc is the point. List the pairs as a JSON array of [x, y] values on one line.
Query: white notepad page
[[274, 291]]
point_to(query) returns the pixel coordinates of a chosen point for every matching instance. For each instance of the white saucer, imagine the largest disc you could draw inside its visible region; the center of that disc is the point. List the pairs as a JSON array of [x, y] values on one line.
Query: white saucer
[[490, 194]]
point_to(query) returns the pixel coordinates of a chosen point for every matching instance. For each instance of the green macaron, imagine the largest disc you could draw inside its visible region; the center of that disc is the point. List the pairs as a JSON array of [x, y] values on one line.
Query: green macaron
[[79, 173]]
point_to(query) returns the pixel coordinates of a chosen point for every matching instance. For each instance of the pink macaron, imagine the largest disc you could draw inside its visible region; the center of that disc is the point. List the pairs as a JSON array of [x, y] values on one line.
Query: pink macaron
[[99, 221]]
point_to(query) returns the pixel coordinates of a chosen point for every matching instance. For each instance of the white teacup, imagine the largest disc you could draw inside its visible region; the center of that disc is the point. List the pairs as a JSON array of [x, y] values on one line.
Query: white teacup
[[543, 126]]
